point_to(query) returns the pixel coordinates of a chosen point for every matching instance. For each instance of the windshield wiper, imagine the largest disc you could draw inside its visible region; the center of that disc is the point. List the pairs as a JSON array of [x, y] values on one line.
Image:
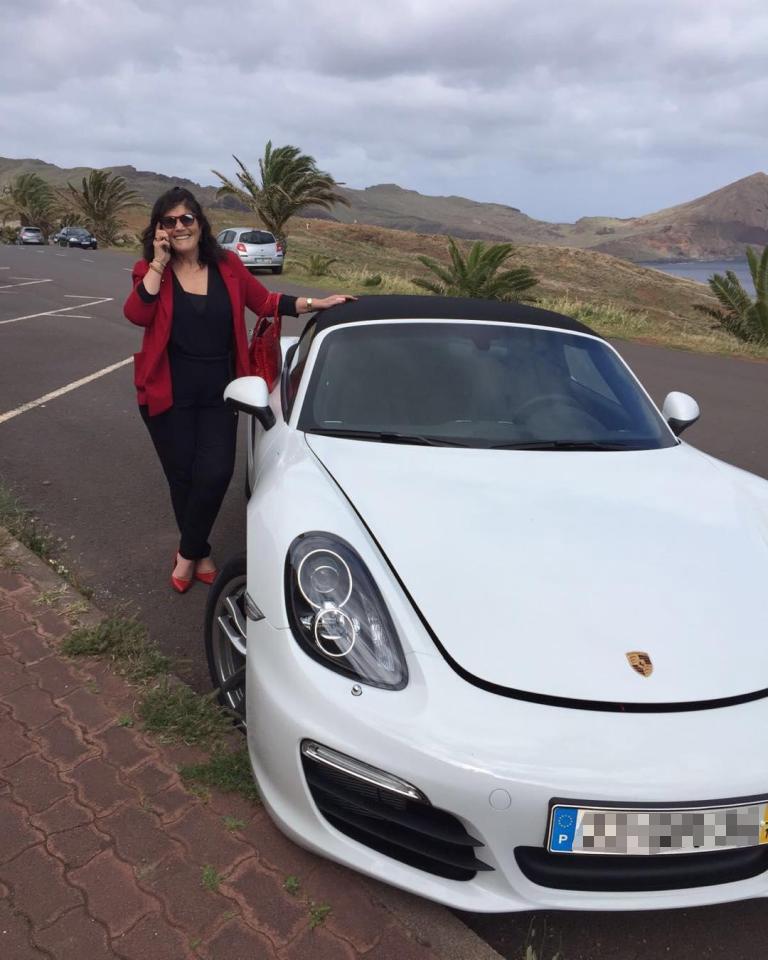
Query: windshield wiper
[[383, 436], [563, 445]]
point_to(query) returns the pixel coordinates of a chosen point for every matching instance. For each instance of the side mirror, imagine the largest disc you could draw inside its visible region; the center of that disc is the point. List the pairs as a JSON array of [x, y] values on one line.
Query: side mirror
[[250, 394], [680, 411]]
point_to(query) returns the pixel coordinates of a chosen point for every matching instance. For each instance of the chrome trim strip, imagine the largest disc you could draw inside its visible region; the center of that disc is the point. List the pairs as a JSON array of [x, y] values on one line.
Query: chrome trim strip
[[361, 771]]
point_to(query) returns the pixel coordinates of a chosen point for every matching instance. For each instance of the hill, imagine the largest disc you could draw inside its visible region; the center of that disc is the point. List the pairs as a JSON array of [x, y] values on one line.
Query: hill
[[717, 226], [148, 185], [713, 227]]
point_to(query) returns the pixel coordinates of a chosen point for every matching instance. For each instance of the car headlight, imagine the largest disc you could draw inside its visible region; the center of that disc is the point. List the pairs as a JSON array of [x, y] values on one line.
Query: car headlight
[[337, 613]]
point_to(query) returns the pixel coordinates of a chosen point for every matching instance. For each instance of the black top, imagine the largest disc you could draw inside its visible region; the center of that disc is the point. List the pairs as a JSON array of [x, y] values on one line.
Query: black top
[[202, 322], [401, 307]]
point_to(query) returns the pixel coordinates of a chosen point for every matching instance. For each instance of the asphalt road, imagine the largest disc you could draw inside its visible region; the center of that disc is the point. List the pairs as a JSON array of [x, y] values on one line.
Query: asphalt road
[[83, 462]]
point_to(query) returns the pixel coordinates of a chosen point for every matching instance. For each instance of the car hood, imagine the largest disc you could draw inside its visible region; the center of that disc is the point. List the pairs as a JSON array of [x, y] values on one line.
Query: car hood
[[540, 571]]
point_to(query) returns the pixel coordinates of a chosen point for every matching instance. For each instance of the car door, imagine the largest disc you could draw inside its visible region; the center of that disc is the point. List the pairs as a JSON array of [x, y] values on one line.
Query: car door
[[262, 442], [226, 239]]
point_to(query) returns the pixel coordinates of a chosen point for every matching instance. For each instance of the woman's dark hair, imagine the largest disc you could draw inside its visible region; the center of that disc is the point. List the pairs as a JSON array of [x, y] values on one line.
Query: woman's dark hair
[[208, 252]]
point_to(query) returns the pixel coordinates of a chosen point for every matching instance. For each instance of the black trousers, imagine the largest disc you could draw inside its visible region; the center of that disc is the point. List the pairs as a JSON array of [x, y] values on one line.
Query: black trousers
[[196, 445]]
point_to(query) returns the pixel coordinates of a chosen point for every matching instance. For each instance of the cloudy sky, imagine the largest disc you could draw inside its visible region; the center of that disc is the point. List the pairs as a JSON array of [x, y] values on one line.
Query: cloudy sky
[[563, 108]]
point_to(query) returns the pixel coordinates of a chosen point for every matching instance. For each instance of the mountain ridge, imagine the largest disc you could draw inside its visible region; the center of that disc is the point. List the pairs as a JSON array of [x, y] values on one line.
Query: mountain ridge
[[716, 226]]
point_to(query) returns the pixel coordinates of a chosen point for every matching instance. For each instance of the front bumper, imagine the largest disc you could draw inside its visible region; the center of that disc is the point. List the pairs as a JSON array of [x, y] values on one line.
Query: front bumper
[[494, 763]]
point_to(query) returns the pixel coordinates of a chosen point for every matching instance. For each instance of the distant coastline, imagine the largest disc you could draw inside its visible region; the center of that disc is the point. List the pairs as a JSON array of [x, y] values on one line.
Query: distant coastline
[[701, 270]]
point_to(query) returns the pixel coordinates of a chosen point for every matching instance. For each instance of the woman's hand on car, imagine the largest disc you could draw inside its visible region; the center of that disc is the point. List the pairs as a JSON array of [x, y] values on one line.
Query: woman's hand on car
[[332, 301]]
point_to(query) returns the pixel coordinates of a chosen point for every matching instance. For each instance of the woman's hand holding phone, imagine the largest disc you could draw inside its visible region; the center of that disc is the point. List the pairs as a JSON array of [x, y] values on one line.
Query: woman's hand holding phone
[[162, 247]]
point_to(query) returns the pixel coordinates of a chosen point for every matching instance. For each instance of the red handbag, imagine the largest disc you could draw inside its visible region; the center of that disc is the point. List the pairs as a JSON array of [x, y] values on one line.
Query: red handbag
[[265, 356]]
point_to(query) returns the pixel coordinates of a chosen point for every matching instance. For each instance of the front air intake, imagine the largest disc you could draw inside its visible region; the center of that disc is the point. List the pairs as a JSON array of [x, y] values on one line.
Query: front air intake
[[389, 815]]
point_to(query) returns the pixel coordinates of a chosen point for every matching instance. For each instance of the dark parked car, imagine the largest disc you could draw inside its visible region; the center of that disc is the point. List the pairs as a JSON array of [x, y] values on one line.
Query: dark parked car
[[76, 237], [30, 235]]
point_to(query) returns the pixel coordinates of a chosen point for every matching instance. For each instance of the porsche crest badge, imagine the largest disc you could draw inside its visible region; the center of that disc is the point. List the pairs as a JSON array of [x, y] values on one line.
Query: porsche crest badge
[[640, 662]]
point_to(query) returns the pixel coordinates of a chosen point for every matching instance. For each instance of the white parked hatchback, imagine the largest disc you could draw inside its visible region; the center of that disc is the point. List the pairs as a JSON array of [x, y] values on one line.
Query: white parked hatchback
[[256, 247], [500, 636]]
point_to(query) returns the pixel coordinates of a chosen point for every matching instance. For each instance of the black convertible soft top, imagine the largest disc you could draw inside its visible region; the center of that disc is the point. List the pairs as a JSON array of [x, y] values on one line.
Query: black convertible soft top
[[402, 307]]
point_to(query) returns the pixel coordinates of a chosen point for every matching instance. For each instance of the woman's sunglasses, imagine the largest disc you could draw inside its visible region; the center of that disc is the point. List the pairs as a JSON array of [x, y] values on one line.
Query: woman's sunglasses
[[186, 220]]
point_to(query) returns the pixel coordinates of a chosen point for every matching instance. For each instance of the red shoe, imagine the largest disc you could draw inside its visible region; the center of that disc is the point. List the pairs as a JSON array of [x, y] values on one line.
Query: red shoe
[[179, 584], [207, 576]]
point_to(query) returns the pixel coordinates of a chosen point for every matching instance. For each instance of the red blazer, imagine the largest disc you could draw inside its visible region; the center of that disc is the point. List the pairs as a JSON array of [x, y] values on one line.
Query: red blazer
[[152, 369]]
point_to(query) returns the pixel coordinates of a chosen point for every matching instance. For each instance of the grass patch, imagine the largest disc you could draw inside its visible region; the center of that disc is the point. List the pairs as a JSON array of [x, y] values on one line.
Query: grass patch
[[210, 879], [178, 714], [232, 823], [22, 525], [318, 913], [230, 772], [73, 611], [291, 885], [124, 642], [202, 793], [628, 323], [49, 598]]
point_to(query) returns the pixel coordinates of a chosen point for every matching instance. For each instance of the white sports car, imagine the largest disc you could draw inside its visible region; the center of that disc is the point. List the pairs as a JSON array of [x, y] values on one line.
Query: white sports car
[[505, 632]]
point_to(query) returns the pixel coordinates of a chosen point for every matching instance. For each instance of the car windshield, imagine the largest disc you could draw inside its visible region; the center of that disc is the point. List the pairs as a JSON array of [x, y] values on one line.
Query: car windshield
[[35, 230], [78, 232], [478, 385], [256, 236]]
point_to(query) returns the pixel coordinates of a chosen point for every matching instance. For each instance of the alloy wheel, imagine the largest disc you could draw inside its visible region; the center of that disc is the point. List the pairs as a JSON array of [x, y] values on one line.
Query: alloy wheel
[[227, 641]]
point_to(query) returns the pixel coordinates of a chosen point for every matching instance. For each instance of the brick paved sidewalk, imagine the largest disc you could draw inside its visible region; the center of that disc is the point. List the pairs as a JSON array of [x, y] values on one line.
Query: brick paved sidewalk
[[103, 849]]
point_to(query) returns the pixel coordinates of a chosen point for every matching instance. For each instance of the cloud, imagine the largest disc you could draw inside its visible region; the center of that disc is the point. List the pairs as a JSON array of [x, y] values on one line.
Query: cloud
[[549, 106]]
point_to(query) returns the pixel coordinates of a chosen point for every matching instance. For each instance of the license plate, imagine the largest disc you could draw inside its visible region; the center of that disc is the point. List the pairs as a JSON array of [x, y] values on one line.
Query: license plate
[[656, 830]]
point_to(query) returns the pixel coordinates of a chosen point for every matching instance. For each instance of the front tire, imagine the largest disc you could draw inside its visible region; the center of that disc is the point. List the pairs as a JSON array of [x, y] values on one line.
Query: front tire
[[225, 636]]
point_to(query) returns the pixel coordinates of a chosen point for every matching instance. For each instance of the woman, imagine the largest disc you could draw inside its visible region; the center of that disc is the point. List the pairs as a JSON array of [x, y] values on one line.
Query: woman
[[190, 297]]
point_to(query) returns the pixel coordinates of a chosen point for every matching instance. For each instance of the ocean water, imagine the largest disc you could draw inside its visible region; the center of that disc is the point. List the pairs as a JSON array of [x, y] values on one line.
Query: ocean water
[[702, 270]]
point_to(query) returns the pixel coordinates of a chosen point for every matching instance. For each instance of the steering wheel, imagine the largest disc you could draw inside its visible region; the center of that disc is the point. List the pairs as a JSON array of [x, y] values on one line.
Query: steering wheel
[[526, 408]]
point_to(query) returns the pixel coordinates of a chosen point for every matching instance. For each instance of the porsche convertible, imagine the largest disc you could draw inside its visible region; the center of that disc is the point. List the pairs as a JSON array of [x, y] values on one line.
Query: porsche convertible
[[499, 635]]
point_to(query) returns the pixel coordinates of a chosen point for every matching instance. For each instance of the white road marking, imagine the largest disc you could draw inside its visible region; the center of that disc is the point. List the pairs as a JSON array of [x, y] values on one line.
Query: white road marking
[[79, 316], [26, 283], [53, 313], [86, 260], [61, 254], [81, 296], [60, 392]]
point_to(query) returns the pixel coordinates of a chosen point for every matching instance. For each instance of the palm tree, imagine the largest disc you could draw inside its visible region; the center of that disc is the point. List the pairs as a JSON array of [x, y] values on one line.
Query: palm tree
[[100, 201], [30, 200], [478, 275], [290, 181], [739, 314]]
